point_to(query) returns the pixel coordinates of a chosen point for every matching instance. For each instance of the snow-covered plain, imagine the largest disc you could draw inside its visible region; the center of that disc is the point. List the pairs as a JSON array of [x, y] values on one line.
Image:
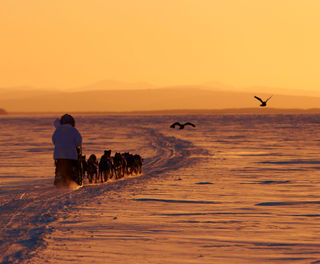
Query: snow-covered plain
[[235, 189]]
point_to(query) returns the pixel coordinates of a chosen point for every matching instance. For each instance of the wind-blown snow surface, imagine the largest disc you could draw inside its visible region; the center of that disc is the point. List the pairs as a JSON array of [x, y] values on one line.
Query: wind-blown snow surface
[[235, 189]]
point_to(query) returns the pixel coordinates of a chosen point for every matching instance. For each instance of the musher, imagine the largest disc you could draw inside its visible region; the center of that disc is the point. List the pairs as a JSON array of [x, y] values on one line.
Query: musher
[[67, 143]]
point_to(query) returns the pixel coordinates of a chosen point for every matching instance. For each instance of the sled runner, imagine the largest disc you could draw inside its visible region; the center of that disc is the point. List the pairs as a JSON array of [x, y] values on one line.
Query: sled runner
[[80, 170]]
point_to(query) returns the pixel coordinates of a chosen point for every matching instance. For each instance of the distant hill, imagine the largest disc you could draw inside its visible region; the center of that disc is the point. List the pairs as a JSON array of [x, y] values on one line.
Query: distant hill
[[174, 98], [114, 85], [3, 112]]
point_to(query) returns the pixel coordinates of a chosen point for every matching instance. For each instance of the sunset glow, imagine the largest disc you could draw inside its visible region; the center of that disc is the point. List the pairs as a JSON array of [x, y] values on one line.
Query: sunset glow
[[67, 44], [159, 131]]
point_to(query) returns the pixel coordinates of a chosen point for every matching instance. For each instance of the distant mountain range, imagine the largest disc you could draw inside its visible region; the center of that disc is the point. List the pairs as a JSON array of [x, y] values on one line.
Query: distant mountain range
[[105, 97]]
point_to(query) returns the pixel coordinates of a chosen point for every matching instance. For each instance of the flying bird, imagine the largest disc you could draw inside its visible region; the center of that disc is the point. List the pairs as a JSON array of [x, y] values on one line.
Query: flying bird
[[181, 126], [263, 103]]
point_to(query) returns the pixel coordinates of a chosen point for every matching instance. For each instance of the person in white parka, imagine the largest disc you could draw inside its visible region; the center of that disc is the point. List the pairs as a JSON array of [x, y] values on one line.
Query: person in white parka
[[66, 139]]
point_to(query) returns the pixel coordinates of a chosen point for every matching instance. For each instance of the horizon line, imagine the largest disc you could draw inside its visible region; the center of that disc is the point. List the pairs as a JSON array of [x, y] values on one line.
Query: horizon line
[[244, 110]]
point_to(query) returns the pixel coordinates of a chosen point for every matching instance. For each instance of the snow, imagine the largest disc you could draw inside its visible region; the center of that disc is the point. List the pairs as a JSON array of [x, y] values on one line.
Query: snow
[[235, 189]]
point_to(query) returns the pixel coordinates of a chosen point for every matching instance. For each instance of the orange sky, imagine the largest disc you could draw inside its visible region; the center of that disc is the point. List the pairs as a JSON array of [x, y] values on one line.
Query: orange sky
[[66, 44]]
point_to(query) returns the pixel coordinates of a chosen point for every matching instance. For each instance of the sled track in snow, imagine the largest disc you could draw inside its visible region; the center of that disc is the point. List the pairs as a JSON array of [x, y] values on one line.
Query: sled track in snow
[[27, 219]]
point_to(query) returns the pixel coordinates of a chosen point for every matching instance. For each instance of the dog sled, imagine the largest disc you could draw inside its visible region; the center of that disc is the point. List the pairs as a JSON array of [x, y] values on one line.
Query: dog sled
[[69, 171]]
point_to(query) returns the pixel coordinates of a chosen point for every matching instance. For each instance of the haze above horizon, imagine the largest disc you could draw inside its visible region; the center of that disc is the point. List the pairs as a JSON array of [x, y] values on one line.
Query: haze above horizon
[[242, 44], [113, 85]]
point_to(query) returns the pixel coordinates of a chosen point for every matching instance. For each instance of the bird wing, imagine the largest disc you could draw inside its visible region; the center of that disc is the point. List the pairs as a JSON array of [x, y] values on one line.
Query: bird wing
[[188, 123], [269, 98], [258, 99], [174, 124]]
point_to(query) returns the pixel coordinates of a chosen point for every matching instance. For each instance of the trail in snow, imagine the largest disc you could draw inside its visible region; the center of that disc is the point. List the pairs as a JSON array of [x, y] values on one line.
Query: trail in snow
[[27, 219], [253, 198]]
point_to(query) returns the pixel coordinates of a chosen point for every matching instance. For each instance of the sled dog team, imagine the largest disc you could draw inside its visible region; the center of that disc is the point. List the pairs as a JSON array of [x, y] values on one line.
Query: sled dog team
[[111, 167], [71, 165]]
